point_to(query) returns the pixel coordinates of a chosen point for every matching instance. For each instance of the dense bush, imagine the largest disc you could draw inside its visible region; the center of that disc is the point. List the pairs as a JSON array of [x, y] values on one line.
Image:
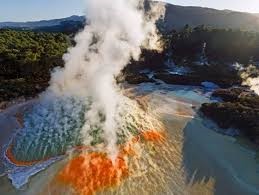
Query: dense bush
[[25, 54], [222, 45], [26, 57]]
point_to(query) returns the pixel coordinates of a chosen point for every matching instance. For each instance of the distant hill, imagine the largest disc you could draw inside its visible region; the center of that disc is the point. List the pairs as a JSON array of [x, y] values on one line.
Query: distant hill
[[175, 18], [42, 23]]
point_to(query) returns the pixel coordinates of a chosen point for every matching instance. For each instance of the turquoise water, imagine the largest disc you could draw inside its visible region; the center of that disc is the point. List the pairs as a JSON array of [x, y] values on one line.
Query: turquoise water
[[54, 126], [50, 129]]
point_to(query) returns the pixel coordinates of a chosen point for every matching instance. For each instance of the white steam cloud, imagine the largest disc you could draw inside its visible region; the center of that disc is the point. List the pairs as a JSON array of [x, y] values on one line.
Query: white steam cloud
[[115, 33], [254, 84], [250, 78]]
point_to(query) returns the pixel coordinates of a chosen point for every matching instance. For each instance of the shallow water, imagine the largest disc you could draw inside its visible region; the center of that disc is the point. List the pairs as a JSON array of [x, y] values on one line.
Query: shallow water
[[193, 160]]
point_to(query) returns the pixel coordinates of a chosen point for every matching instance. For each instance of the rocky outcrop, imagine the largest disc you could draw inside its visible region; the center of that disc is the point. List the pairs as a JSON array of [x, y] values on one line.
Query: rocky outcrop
[[240, 95], [137, 78], [196, 78], [239, 109], [177, 79]]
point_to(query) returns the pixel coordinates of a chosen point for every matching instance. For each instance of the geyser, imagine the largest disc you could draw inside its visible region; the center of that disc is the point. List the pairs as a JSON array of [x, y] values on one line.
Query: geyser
[[116, 31], [83, 106]]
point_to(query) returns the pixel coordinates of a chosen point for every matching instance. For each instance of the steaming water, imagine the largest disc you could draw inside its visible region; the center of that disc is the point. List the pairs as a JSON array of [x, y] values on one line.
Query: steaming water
[[53, 127], [103, 48], [50, 128], [84, 108], [194, 159]]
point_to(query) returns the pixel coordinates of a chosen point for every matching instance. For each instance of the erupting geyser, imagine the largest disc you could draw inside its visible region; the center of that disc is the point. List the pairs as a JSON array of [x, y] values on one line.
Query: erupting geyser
[[83, 105], [116, 31]]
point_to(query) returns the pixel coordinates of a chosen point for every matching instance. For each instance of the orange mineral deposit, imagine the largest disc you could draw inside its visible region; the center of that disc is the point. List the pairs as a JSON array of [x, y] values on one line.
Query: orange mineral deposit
[[154, 136], [88, 173], [18, 163]]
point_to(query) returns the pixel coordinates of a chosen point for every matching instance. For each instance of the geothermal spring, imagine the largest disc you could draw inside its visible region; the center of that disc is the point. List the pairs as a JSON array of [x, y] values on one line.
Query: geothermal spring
[[86, 134], [84, 111]]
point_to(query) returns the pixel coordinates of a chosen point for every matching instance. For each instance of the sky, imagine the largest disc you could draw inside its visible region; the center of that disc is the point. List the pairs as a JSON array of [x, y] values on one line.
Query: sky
[[31, 10]]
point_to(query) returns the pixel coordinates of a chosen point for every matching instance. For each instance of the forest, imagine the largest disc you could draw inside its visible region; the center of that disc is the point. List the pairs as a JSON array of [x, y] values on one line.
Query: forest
[[25, 54], [27, 58], [219, 45]]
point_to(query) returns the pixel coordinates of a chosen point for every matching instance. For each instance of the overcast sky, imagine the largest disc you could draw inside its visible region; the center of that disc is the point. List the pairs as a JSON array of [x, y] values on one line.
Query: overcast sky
[[29, 10]]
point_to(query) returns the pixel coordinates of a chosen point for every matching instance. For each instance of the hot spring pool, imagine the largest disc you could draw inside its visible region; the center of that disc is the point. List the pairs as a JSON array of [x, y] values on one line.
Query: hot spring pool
[[193, 159]]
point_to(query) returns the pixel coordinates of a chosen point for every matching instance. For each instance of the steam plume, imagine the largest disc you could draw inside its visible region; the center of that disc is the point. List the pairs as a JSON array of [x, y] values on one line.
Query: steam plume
[[116, 31], [250, 78]]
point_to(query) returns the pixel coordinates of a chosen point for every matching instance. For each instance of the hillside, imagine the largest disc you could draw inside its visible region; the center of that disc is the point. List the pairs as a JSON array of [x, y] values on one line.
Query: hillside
[[176, 17], [42, 23]]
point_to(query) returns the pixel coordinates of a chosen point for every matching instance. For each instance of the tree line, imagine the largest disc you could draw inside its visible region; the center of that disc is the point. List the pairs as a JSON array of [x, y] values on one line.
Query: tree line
[[26, 54], [221, 45]]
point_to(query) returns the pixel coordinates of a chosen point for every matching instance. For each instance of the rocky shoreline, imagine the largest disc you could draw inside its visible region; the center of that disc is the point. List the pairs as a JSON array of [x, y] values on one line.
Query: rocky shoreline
[[237, 106], [194, 79], [224, 75], [238, 109]]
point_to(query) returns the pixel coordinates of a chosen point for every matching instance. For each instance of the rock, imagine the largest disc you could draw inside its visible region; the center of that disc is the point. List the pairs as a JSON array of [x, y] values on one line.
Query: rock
[[240, 110], [184, 73], [198, 78], [137, 78], [177, 79], [209, 85], [241, 95], [228, 95]]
